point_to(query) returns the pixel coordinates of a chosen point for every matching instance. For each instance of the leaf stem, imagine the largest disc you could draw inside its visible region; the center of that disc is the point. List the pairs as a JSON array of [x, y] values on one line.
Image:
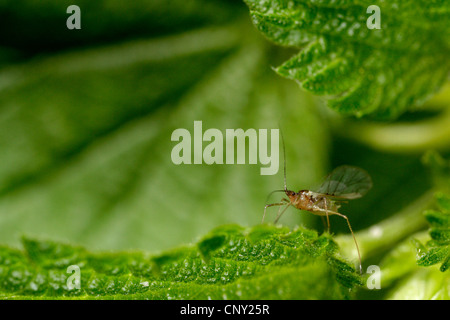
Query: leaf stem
[[388, 232], [432, 133]]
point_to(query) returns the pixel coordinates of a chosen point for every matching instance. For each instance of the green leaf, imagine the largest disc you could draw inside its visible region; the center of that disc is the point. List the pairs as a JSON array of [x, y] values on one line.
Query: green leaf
[[438, 248], [282, 264], [377, 72]]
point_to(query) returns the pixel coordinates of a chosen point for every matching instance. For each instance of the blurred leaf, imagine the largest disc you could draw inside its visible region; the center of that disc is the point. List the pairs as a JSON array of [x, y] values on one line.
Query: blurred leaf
[[400, 261], [280, 265], [402, 279], [439, 169], [379, 72], [86, 139], [424, 284], [36, 27]]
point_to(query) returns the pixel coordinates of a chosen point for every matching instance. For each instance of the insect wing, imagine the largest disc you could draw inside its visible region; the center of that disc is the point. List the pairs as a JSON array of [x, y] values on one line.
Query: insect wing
[[346, 182]]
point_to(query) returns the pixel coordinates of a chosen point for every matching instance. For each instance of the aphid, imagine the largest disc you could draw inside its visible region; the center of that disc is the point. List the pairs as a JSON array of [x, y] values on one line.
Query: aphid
[[343, 183]]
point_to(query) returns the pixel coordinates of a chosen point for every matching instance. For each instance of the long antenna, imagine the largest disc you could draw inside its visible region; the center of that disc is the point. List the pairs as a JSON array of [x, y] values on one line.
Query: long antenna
[[284, 158], [268, 196]]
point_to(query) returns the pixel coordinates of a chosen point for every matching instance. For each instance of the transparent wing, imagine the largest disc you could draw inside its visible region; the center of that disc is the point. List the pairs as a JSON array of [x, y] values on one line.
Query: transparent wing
[[346, 182]]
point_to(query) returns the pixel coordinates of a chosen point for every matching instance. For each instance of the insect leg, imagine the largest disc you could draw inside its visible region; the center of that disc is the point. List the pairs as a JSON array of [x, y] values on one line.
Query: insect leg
[[272, 205], [353, 235], [280, 214], [326, 212], [354, 238], [327, 226]]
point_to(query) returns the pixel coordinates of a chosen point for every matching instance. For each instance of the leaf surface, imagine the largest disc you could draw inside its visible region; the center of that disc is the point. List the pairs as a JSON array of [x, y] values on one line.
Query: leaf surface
[[378, 72], [231, 262]]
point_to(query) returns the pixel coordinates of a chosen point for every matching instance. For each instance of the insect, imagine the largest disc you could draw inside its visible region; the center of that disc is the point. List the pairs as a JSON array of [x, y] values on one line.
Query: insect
[[342, 184]]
